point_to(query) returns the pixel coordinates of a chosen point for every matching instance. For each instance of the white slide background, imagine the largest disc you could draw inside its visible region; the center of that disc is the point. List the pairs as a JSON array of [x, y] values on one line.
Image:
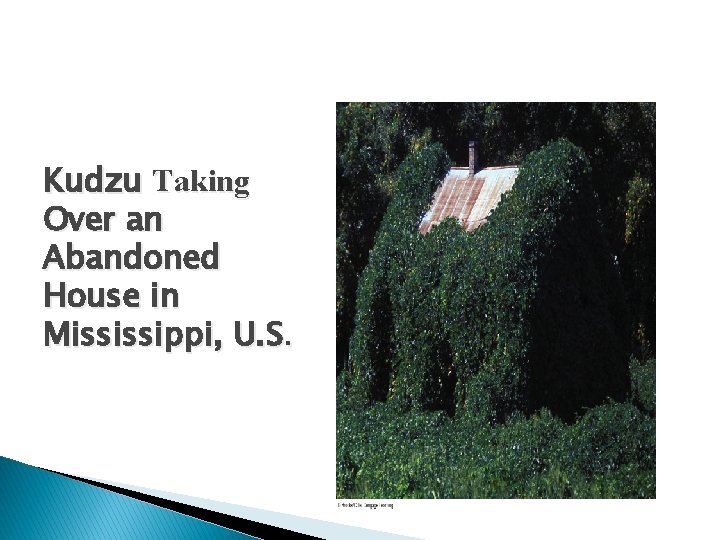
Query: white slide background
[[251, 91]]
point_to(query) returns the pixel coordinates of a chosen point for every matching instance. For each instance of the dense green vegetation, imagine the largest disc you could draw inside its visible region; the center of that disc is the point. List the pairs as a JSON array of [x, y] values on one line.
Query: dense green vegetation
[[618, 140], [523, 313], [496, 363], [608, 452]]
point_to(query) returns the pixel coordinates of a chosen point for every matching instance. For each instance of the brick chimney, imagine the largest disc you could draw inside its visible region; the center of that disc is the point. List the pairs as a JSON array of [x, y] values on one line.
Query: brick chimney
[[474, 158]]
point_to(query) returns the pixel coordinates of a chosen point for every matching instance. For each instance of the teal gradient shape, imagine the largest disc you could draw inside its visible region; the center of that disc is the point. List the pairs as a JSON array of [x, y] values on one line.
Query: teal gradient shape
[[37, 504]]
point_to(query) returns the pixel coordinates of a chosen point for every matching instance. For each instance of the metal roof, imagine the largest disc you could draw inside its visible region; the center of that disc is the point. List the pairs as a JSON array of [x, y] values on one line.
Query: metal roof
[[469, 198]]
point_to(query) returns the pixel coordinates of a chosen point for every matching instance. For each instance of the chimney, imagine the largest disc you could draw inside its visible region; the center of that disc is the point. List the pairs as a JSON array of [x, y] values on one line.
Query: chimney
[[474, 158]]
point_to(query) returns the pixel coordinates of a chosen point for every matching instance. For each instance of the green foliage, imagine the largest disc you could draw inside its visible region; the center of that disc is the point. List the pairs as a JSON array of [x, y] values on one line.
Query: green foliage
[[610, 452], [525, 312], [372, 140], [642, 374], [504, 300], [375, 340], [608, 437], [617, 138], [495, 363], [342, 300], [423, 372], [639, 261]]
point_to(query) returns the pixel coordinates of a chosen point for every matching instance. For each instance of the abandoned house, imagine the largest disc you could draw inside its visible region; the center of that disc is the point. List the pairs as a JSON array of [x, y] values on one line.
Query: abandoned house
[[469, 194]]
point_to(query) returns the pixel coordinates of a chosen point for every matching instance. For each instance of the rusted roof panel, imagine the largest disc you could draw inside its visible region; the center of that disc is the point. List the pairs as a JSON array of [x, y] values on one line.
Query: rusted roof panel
[[469, 198]]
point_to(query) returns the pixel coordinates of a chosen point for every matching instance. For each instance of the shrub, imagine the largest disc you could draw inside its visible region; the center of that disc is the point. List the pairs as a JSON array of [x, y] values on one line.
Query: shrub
[[642, 375], [607, 438], [610, 452]]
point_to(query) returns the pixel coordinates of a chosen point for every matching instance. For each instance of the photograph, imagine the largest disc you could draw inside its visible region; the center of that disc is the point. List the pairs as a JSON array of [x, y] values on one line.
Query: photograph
[[495, 300]]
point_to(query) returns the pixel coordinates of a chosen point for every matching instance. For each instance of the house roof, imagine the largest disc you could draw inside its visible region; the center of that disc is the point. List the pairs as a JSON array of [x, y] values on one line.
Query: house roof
[[469, 198]]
